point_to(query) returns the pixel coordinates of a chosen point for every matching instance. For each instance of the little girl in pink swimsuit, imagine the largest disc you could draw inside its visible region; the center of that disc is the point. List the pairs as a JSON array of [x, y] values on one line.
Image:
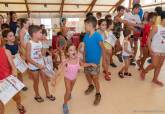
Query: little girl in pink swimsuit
[[71, 66]]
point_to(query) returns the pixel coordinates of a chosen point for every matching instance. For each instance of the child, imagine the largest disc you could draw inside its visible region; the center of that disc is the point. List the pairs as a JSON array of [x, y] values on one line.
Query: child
[[45, 42], [8, 68], [157, 50], [108, 46], [24, 35], [137, 30], [71, 66], [102, 28], [127, 21], [61, 44], [126, 53], [144, 22], [9, 37], [36, 63], [146, 31], [117, 31], [46, 50], [94, 48]]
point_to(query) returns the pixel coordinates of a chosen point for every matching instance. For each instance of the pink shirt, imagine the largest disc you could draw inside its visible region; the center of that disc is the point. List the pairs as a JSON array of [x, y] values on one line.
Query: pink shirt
[[71, 70]]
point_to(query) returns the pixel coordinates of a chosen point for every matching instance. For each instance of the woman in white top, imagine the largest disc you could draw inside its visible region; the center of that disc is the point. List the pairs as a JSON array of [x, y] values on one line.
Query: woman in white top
[[126, 54], [156, 44]]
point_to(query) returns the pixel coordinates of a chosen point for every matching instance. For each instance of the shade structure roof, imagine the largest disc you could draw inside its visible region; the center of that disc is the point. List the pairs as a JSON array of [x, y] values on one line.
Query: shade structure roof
[[67, 7]]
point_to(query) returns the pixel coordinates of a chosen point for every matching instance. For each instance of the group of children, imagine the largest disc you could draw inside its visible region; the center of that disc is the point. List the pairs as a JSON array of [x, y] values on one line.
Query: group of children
[[95, 46]]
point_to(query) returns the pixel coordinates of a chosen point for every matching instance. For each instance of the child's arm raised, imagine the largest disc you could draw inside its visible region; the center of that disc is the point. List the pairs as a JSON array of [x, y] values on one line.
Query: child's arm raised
[[28, 47], [10, 59]]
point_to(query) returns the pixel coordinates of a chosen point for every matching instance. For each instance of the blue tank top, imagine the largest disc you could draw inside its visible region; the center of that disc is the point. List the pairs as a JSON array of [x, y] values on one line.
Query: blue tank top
[[12, 48]]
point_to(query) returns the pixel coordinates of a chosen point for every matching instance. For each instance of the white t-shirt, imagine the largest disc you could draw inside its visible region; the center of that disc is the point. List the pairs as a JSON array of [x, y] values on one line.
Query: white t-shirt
[[124, 53], [133, 18], [158, 40], [36, 54]]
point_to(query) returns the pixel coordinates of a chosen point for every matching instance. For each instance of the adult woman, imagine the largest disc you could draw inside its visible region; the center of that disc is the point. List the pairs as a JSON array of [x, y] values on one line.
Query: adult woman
[[13, 22]]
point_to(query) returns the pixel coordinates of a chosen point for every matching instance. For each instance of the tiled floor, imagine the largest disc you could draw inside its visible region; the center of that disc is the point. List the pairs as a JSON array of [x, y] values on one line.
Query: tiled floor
[[119, 96]]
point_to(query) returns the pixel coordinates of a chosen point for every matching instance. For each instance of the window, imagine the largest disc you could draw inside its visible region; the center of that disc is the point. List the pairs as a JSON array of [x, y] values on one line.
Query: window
[[48, 25], [74, 23], [46, 22], [73, 19]]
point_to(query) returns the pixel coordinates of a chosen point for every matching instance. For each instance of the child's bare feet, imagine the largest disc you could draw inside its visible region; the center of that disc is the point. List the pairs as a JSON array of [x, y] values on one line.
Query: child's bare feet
[[158, 82], [142, 75]]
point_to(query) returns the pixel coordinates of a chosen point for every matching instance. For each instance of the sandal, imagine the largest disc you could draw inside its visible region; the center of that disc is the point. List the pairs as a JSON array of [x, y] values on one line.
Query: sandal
[[120, 75], [105, 72], [51, 97], [39, 99], [127, 74], [21, 109], [107, 77]]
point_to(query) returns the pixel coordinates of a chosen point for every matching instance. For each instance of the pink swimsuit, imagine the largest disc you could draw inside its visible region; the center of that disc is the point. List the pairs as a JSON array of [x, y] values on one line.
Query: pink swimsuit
[[71, 70]]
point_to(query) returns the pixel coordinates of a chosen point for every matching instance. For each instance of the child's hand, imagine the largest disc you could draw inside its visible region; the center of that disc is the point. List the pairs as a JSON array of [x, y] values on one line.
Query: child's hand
[[14, 73], [41, 66], [94, 65]]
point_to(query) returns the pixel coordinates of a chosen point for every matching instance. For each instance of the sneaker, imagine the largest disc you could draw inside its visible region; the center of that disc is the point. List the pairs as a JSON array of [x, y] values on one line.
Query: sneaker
[[113, 65], [119, 56], [65, 109], [89, 90], [24, 89], [97, 99]]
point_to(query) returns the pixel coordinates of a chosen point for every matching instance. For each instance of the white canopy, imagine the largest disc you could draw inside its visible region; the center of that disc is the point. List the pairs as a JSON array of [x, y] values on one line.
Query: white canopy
[[54, 8]]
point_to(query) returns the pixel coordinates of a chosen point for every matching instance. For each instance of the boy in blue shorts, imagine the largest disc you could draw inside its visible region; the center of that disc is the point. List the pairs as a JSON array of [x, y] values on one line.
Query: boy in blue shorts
[[94, 49]]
